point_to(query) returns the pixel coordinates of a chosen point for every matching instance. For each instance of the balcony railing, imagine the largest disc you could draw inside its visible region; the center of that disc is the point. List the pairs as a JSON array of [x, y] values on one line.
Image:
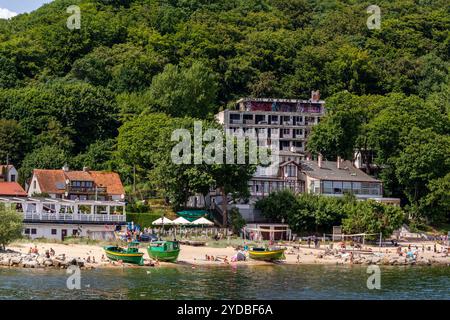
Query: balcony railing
[[73, 217], [87, 189]]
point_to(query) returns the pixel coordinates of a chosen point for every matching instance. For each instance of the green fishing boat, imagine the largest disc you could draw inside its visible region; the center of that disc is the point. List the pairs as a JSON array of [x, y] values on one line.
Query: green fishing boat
[[164, 250], [267, 254], [130, 254]]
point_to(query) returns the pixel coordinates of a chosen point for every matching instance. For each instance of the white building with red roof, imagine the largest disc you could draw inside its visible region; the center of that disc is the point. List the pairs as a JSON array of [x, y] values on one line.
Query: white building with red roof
[[77, 185]]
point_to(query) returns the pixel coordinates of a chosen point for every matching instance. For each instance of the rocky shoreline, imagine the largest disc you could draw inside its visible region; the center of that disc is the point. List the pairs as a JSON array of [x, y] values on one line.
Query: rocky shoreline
[[32, 260], [14, 259]]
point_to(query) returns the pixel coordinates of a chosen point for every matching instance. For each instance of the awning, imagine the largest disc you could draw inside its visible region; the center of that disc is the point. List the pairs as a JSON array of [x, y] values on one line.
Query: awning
[[181, 221], [161, 221], [192, 215], [202, 222]]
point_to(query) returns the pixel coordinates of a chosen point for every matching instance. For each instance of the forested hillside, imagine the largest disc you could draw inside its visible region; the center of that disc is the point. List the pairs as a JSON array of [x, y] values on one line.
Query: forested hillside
[[78, 96]]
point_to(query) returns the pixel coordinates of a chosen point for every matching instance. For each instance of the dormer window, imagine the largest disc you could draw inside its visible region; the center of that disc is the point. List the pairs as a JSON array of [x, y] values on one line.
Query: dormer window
[[291, 171]]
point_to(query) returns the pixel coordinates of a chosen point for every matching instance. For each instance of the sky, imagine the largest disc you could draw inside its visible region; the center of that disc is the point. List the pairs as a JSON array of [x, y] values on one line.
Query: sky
[[11, 8]]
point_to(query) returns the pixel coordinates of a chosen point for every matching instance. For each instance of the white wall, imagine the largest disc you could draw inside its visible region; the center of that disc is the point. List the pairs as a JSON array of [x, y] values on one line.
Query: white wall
[[32, 190], [12, 172], [44, 230]]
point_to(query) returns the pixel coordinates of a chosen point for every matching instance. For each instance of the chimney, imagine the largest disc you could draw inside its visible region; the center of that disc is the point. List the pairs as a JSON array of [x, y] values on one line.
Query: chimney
[[338, 162], [315, 96], [85, 169], [320, 161], [65, 167]]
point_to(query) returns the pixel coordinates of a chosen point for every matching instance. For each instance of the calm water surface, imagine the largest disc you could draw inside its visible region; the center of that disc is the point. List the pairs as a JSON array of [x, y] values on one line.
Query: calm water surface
[[241, 282]]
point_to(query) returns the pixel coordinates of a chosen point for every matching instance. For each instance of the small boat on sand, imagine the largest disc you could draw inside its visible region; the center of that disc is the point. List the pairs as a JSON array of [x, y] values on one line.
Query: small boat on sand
[[164, 250], [267, 254], [130, 254]]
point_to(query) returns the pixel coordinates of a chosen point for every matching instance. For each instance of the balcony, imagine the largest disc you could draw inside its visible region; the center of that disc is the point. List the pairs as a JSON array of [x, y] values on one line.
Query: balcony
[[75, 218], [87, 190]]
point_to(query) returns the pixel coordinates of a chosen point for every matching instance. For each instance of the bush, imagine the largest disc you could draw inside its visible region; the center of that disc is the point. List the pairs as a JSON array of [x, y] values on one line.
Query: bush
[[237, 222], [144, 219]]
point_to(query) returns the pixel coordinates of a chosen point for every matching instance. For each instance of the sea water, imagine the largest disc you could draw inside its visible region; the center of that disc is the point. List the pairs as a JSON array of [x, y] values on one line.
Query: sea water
[[230, 282]]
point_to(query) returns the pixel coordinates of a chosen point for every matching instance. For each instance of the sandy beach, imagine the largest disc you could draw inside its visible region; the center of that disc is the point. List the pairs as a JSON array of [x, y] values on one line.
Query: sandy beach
[[295, 254]]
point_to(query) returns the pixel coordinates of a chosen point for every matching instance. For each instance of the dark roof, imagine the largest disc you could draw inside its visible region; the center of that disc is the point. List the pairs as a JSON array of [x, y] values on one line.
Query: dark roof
[[329, 171]]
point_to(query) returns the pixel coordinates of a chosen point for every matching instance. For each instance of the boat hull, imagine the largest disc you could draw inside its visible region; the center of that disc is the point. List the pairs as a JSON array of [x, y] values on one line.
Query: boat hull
[[169, 256], [162, 252], [135, 258], [267, 255]]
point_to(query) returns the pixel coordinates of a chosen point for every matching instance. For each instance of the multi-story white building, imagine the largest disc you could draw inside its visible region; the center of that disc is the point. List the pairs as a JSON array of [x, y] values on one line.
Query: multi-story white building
[[284, 126], [286, 121]]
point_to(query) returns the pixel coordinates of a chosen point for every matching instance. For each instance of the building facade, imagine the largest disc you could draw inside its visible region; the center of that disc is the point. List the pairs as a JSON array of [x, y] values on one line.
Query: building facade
[[59, 218], [283, 125], [8, 173]]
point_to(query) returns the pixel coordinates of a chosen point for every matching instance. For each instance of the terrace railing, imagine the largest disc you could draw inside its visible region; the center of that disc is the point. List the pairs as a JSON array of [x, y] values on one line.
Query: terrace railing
[[73, 217]]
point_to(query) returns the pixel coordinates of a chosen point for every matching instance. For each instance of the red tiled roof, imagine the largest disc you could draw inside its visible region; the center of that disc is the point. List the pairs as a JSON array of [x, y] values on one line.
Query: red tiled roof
[[78, 176], [110, 180], [11, 189], [53, 181], [50, 181]]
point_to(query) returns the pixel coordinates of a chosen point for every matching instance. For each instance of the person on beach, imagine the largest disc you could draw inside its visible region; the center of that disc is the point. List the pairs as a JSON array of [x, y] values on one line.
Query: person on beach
[[316, 242], [309, 242]]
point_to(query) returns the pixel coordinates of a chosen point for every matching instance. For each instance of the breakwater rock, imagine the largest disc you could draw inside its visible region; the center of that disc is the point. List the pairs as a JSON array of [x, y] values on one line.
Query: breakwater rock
[[32, 260]]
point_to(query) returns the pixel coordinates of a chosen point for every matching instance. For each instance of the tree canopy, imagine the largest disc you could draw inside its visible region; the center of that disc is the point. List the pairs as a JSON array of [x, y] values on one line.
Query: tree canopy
[[81, 95]]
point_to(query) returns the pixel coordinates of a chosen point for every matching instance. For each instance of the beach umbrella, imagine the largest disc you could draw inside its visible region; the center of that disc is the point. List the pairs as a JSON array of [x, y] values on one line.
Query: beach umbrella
[[181, 221], [202, 222], [162, 221]]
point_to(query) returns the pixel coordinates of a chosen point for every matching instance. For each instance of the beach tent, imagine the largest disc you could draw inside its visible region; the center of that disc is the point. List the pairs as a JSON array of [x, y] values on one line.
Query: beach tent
[[162, 221], [181, 221], [202, 222]]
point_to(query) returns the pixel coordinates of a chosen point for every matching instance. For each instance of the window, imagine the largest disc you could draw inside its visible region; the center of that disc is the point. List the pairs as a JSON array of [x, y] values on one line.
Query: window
[[74, 232], [13, 178], [54, 232], [298, 119], [291, 171], [27, 231], [327, 187], [356, 187], [337, 187], [34, 184], [33, 231], [347, 187]]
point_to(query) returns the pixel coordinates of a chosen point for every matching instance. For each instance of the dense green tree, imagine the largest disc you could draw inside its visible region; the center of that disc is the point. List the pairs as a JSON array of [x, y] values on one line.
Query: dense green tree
[[424, 158], [436, 204], [371, 217], [184, 92], [14, 142], [47, 157], [10, 226]]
